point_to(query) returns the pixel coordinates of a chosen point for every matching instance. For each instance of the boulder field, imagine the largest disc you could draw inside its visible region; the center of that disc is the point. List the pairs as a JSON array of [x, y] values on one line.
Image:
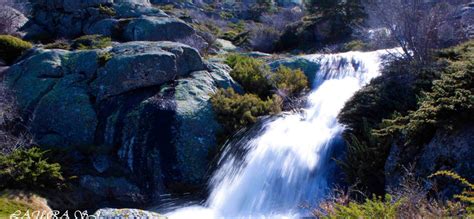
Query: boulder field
[[136, 124]]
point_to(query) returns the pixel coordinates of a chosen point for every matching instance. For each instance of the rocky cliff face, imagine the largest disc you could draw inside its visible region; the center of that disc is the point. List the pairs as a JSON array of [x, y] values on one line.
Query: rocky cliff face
[[136, 124]]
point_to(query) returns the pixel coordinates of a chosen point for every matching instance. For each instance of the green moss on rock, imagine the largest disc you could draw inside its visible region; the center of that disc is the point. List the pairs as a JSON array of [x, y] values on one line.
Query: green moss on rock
[[12, 47]]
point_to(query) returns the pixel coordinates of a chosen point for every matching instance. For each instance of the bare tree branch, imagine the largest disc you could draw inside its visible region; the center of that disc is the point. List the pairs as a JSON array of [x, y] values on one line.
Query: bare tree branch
[[413, 25]]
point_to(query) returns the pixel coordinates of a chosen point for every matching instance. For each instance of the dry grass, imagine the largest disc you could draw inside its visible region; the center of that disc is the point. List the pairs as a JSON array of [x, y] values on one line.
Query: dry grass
[[13, 133], [14, 202], [409, 200]]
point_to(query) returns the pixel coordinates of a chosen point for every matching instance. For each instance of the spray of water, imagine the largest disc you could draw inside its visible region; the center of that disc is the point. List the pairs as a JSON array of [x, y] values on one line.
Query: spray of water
[[289, 162]]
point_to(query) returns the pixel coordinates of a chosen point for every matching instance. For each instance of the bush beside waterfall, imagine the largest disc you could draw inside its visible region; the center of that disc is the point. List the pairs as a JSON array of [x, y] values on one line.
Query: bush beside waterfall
[[408, 200], [266, 91], [449, 102], [235, 111], [252, 74], [404, 108]]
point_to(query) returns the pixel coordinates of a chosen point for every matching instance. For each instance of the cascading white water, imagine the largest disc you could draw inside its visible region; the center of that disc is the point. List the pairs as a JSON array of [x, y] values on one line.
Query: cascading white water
[[288, 163]]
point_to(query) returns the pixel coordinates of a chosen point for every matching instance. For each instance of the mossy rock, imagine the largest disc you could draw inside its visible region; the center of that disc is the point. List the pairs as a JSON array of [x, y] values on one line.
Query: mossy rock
[[12, 47]]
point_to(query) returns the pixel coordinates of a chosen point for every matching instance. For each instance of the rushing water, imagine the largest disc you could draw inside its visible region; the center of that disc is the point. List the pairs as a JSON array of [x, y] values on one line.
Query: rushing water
[[288, 164]]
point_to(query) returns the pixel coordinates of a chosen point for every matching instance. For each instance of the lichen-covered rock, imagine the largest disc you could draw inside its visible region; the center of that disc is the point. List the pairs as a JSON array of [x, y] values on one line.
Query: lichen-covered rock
[[193, 140], [74, 119], [104, 27], [133, 10], [171, 126], [157, 29], [73, 18], [143, 64], [34, 77], [139, 119]]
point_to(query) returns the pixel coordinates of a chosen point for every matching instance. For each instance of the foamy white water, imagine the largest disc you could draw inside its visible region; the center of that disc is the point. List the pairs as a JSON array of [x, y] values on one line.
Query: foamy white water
[[288, 164]]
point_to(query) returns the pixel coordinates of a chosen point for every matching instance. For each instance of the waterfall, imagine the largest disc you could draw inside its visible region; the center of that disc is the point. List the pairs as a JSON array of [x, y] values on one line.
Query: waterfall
[[288, 164]]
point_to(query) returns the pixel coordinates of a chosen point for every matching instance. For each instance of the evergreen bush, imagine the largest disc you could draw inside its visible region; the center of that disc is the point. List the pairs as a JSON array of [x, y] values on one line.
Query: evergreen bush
[[235, 111], [29, 169], [91, 42]]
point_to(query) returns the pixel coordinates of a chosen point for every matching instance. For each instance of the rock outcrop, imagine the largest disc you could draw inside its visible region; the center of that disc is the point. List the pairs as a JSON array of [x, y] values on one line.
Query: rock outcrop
[[138, 122], [125, 20], [447, 150], [467, 20], [12, 20]]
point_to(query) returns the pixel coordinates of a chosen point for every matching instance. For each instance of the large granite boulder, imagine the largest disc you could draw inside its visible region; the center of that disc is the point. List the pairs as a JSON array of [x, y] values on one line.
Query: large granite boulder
[[141, 119], [157, 29], [143, 64]]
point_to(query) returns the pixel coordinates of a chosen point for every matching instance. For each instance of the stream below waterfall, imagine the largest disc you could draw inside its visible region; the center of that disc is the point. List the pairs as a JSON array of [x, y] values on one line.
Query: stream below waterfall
[[288, 164]]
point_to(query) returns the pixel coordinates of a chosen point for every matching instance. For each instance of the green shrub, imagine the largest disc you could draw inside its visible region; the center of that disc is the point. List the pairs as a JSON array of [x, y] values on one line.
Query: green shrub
[[29, 169], [407, 106], [91, 42], [448, 103], [12, 47], [364, 161], [232, 59], [237, 38], [366, 152], [467, 195], [230, 35], [104, 58], [237, 27], [288, 81], [253, 74], [371, 208], [226, 15], [207, 27], [237, 33], [235, 111], [107, 10], [60, 44]]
